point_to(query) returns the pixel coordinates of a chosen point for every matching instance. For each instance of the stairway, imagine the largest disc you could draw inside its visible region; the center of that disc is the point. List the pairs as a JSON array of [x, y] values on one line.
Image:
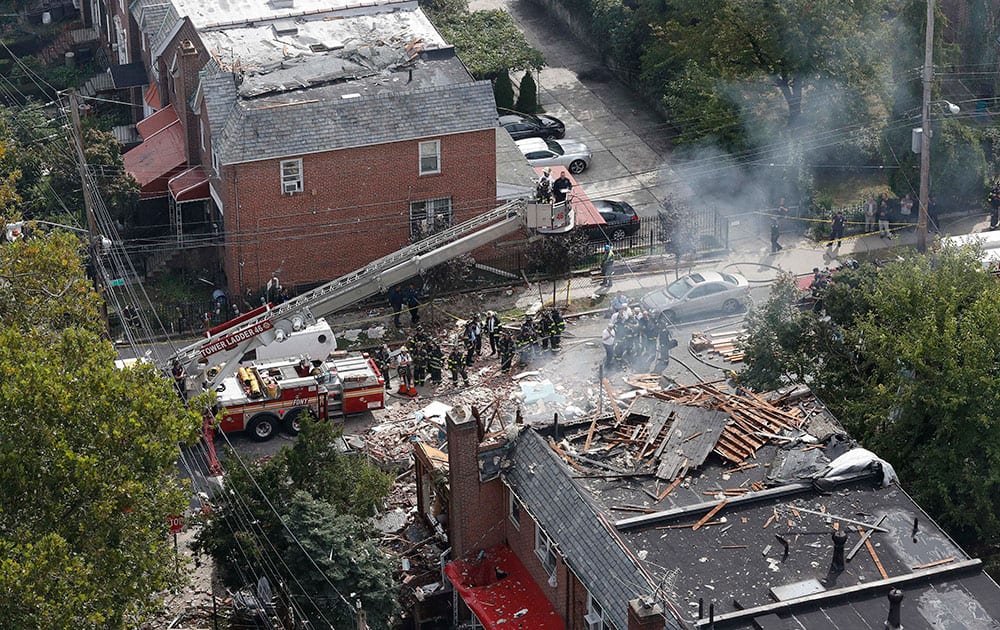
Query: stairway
[[98, 84]]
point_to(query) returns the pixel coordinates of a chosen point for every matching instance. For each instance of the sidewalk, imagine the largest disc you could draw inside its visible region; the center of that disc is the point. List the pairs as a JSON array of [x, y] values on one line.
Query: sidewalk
[[754, 260]]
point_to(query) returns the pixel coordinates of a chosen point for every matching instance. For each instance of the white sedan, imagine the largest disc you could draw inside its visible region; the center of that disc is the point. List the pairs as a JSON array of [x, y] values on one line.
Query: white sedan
[[575, 156], [699, 293]]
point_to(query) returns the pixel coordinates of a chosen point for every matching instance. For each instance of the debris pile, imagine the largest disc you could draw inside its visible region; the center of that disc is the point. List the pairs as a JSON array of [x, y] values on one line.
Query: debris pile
[[724, 343]]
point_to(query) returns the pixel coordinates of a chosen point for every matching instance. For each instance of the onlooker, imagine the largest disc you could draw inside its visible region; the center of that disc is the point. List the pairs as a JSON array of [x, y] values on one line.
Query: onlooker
[[883, 218], [871, 210], [837, 229], [607, 266], [775, 233]]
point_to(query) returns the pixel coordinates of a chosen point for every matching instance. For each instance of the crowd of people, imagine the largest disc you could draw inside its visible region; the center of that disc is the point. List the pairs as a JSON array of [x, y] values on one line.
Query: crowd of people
[[422, 358], [636, 337]]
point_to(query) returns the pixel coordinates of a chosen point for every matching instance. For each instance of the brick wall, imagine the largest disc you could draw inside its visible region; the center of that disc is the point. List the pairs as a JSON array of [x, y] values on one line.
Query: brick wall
[[476, 515], [354, 208]]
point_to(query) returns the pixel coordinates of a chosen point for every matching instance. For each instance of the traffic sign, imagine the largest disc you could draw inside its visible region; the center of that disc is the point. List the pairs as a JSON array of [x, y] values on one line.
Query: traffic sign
[[176, 523], [117, 282]]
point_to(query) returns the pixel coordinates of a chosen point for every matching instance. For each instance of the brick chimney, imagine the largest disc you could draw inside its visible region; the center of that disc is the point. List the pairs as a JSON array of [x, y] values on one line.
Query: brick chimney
[[476, 511], [185, 82], [645, 615]]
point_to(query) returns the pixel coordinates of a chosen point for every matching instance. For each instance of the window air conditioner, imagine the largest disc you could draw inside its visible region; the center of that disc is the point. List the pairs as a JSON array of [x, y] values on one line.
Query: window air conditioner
[[594, 621]]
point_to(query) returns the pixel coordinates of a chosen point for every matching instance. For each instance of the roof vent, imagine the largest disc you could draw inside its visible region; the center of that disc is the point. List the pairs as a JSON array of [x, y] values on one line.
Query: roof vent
[[894, 622], [350, 96], [285, 28], [839, 539]]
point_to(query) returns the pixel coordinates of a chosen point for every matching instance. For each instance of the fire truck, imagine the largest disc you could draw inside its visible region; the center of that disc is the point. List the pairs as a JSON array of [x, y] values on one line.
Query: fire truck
[[213, 363], [263, 396]]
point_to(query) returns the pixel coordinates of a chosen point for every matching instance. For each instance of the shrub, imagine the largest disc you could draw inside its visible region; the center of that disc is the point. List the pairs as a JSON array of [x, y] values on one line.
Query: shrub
[[527, 97], [503, 91]]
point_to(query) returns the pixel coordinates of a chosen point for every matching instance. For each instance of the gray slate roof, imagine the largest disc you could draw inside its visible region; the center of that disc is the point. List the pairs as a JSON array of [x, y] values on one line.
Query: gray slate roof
[[156, 18], [307, 121], [584, 537]]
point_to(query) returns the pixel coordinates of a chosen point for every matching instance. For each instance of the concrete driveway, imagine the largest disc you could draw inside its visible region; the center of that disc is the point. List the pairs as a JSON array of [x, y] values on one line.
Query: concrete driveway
[[628, 141]]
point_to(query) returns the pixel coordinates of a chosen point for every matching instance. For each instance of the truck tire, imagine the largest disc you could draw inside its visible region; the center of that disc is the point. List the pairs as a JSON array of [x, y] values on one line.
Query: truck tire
[[291, 422], [262, 426]]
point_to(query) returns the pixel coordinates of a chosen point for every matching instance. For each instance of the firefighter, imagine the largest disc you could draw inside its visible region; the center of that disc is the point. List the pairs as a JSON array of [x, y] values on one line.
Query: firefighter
[[558, 327], [383, 359], [506, 348], [419, 356], [404, 368], [469, 342], [456, 363], [435, 362], [545, 329]]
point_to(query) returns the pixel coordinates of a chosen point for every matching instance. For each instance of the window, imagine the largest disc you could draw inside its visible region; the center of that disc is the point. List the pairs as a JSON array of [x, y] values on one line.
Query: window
[[428, 217], [545, 550], [201, 133], [215, 162], [430, 157], [291, 176], [515, 510], [597, 618]]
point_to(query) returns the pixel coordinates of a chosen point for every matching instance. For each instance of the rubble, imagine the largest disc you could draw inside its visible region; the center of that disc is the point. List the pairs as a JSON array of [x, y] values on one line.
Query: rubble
[[724, 343]]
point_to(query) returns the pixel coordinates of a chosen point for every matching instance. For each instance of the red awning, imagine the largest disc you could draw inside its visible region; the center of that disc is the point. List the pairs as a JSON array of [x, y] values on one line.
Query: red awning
[[510, 602], [586, 213], [161, 154], [189, 185], [152, 96]]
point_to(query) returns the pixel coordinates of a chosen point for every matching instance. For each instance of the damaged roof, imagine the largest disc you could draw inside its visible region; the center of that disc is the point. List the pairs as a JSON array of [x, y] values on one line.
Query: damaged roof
[[578, 527], [751, 538]]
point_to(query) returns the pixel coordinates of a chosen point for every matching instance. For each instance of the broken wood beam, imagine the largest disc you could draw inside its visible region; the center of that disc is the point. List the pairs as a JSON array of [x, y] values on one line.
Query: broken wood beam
[[710, 514]]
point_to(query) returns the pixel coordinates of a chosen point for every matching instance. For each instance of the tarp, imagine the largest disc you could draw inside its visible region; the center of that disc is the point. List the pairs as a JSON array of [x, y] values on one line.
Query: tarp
[[161, 154], [499, 590], [189, 185]]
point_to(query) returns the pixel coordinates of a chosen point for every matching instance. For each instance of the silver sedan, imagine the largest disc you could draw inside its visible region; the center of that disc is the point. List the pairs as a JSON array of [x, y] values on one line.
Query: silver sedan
[[699, 293]]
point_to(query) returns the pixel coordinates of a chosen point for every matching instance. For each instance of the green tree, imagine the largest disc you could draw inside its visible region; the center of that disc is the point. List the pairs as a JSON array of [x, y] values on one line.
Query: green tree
[[790, 45], [907, 360], [490, 43], [87, 454], [503, 91], [309, 505], [527, 95]]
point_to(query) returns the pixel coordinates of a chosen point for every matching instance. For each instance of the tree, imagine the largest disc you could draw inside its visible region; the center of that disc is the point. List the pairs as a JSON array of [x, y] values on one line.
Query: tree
[[908, 361], [503, 91], [309, 507], [87, 453], [792, 45], [489, 43], [527, 95], [557, 254]]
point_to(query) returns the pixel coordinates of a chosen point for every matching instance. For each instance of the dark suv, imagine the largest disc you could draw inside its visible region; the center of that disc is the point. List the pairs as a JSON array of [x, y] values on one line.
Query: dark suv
[[521, 126]]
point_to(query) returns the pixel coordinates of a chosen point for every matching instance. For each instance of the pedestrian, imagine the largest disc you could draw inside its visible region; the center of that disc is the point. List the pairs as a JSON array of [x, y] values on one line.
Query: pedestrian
[[396, 302], [561, 187], [492, 327], [775, 233], [404, 369], [456, 364], [906, 208], [932, 214], [608, 339], [506, 348], [558, 327], [435, 362], [883, 218], [994, 200], [871, 210], [477, 329], [607, 265], [837, 228], [413, 304]]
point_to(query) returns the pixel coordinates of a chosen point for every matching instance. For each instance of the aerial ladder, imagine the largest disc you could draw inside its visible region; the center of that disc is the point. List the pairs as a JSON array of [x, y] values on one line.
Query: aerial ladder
[[225, 344]]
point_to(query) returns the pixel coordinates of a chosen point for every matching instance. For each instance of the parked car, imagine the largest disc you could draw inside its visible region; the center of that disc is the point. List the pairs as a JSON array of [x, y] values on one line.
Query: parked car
[[575, 156], [699, 293], [521, 126], [620, 221]]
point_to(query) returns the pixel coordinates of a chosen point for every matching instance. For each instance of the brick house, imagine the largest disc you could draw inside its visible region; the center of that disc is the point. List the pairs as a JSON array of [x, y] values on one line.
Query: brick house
[[545, 534], [309, 145]]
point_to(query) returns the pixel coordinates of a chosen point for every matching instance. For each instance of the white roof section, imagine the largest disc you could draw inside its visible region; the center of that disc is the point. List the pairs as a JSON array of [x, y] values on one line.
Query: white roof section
[[265, 47], [210, 14]]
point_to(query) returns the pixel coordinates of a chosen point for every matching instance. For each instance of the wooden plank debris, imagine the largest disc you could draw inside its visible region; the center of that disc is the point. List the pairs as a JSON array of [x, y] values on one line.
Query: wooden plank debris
[[710, 514], [614, 402], [871, 551], [936, 563]]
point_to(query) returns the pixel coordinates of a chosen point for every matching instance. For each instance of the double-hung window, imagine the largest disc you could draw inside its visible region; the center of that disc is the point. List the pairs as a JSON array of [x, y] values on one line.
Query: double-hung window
[[545, 549], [291, 176], [430, 157]]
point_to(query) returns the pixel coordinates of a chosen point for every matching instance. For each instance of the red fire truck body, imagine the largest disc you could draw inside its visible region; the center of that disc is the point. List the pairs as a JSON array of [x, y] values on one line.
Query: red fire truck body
[[265, 396]]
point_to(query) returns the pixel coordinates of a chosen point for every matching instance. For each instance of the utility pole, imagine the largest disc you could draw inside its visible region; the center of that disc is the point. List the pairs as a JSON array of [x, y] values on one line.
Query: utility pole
[[88, 202], [925, 131]]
